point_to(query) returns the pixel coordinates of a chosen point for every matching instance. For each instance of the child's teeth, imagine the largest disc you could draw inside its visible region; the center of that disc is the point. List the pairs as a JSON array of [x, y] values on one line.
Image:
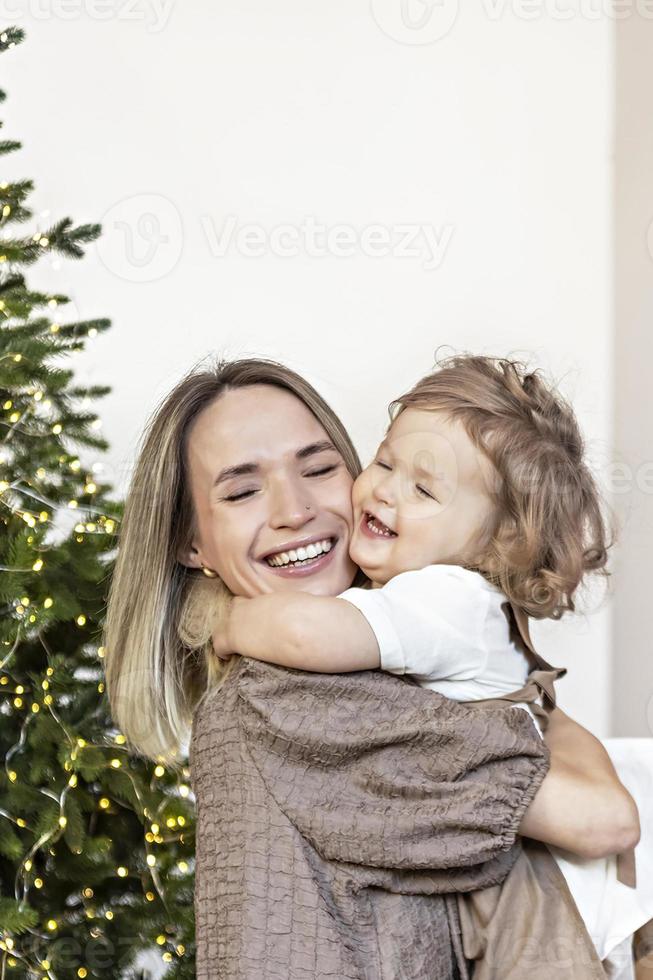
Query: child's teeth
[[386, 533]]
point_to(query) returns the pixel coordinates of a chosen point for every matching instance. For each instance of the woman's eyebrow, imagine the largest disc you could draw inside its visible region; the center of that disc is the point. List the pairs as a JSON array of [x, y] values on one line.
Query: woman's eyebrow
[[241, 469], [315, 447], [246, 469]]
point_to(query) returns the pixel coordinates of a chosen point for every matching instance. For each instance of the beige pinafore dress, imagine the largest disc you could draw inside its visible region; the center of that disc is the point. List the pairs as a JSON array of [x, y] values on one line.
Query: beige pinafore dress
[[529, 927], [539, 693]]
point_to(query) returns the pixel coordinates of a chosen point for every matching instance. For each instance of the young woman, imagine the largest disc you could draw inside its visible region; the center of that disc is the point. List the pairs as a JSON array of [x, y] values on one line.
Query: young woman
[[328, 832]]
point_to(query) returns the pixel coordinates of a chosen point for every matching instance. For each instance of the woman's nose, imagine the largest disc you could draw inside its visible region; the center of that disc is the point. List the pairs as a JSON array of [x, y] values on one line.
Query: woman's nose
[[291, 507]]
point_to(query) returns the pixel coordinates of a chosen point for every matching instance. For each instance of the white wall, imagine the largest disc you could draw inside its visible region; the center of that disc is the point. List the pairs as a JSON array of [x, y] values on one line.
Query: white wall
[[632, 690], [497, 136]]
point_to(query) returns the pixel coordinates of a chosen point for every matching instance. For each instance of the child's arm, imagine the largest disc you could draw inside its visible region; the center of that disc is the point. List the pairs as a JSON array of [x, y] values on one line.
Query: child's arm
[[296, 629]]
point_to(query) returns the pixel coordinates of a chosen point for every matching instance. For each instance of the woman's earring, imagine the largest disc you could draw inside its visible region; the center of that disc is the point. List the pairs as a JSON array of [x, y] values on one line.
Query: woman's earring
[[209, 572]]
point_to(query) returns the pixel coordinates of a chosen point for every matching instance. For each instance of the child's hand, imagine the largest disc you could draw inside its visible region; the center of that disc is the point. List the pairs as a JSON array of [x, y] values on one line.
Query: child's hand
[[221, 647]]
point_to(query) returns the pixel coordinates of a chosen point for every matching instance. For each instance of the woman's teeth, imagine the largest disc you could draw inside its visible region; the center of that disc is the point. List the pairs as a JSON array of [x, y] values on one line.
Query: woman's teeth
[[379, 528], [301, 555]]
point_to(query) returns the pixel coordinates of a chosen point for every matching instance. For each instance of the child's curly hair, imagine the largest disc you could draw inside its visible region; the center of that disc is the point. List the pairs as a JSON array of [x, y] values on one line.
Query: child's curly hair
[[548, 530]]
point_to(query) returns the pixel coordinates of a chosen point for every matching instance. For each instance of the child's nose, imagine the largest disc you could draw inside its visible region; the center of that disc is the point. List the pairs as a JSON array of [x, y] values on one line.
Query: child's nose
[[384, 491]]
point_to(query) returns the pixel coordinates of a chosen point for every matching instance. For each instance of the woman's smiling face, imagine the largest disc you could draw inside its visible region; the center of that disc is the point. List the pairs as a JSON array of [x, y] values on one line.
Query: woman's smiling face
[[266, 480]]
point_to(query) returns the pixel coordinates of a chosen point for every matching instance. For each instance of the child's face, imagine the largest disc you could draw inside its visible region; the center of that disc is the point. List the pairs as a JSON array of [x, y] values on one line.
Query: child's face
[[427, 493]]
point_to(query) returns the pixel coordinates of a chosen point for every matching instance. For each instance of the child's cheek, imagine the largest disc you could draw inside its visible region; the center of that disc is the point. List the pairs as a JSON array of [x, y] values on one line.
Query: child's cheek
[[360, 490]]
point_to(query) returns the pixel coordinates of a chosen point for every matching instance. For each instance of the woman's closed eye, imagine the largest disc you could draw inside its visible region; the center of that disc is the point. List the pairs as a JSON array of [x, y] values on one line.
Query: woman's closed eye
[[241, 494], [324, 470]]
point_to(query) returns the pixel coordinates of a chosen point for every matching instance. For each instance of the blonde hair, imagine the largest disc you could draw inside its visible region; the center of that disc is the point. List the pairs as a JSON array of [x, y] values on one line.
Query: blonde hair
[[159, 660], [548, 529]]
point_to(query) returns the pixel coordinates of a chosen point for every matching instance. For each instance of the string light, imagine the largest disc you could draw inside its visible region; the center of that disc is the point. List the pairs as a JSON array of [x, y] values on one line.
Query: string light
[[25, 501]]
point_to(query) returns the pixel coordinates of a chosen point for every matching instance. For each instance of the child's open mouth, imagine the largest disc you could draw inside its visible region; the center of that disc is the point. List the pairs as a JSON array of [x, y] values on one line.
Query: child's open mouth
[[374, 527]]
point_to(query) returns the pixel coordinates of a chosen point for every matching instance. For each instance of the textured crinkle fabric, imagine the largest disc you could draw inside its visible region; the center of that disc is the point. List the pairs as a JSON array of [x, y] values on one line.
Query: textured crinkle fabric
[[335, 813]]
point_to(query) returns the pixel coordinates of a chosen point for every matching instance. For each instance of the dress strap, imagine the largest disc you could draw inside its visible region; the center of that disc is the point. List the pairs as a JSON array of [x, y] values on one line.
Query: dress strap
[[541, 680], [539, 693]]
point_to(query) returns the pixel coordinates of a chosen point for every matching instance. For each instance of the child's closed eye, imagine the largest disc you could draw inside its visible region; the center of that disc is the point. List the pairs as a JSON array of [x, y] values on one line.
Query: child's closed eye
[[424, 493]]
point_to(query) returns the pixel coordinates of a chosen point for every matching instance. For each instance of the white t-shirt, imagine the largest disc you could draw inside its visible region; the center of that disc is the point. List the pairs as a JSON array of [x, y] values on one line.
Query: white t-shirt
[[445, 626]]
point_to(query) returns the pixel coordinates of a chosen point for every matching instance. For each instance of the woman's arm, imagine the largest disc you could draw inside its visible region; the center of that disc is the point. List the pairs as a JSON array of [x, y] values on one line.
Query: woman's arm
[[299, 630], [581, 805], [389, 778]]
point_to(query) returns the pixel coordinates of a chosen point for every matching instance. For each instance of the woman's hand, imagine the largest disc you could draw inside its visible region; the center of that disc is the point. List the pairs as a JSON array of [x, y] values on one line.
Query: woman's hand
[[581, 805]]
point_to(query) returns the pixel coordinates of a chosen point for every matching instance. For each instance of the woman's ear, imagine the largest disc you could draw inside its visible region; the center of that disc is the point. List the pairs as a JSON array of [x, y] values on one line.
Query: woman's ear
[[190, 557]]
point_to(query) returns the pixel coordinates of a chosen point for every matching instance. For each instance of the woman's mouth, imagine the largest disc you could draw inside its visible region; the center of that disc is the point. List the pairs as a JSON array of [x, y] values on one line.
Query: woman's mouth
[[303, 560], [372, 527]]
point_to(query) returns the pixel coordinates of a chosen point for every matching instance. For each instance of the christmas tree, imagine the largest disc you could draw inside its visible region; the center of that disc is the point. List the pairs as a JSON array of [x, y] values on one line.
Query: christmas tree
[[96, 845]]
